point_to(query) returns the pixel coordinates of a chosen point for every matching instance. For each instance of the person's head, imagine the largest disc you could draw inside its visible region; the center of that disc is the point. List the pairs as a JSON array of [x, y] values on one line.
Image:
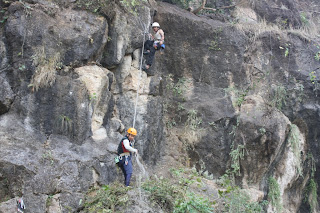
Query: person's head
[[131, 133], [155, 26]]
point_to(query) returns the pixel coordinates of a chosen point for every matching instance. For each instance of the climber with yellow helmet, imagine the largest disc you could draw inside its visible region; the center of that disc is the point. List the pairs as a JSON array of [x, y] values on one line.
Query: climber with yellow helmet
[[125, 149], [156, 44]]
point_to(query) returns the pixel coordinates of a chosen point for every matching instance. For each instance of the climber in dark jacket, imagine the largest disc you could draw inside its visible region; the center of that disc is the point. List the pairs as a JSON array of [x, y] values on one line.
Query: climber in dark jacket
[[124, 151], [157, 44]]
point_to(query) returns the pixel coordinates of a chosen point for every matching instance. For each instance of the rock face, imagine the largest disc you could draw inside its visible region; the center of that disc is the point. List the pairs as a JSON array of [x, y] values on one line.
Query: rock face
[[70, 87]]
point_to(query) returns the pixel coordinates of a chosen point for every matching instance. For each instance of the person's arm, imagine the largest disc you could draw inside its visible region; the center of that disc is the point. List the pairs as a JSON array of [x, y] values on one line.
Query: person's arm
[[126, 145], [162, 36]]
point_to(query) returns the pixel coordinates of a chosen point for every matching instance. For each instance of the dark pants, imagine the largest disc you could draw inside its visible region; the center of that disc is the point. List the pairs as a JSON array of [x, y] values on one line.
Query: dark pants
[[126, 169], [152, 52]]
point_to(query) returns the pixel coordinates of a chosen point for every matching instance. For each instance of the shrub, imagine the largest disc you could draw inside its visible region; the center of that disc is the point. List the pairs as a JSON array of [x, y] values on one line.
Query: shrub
[[274, 194], [109, 198]]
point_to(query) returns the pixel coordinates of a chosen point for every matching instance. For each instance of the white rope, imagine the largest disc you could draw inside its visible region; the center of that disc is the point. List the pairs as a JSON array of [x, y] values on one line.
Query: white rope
[[140, 76]]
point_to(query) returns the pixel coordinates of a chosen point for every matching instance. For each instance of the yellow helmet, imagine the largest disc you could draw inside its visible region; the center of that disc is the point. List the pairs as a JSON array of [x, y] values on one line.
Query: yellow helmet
[[132, 131]]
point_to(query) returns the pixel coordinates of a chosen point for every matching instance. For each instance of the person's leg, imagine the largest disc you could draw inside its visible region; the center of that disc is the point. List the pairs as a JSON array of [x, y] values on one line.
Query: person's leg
[[128, 170], [122, 165], [148, 44], [150, 57]]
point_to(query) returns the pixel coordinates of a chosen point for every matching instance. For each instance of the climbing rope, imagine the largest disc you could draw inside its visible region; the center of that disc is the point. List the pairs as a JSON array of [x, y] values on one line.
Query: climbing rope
[[140, 76]]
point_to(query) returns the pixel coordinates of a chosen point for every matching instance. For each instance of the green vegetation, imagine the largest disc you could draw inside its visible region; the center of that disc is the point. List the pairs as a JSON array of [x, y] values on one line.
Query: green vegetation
[[274, 194], [236, 155], [178, 88], [240, 95], [262, 131], [45, 72], [314, 81], [65, 124], [193, 121], [215, 43], [279, 97], [235, 199], [171, 123], [317, 56], [49, 200], [182, 3], [238, 201], [93, 96], [103, 6], [22, 67], [304, 19], [286, 52], [109, 198], [311, 196], [47, 156], [193, 203], [3, 17], [175, 194]]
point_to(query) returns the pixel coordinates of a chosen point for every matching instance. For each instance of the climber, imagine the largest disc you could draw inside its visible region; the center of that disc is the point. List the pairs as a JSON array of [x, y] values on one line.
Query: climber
[[157, 44], [21, 207], [124, 151]]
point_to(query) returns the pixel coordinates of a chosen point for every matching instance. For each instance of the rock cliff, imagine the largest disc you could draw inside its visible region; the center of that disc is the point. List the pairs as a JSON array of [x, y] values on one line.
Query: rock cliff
[[244, 79]]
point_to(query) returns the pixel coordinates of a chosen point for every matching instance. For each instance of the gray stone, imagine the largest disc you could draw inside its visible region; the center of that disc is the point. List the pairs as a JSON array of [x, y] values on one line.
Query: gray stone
[[6, 94]]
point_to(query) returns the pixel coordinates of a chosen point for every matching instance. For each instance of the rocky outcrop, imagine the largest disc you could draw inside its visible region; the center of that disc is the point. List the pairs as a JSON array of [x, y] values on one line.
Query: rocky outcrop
[[70, 87], [40, 169], [247, 88]]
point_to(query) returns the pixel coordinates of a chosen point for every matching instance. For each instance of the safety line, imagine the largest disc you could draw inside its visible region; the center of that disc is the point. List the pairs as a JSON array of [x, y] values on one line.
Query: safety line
[[135, 107]]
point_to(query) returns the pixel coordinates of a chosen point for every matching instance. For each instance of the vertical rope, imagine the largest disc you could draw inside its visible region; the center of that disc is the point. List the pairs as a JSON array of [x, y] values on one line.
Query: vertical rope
[[141, 58]]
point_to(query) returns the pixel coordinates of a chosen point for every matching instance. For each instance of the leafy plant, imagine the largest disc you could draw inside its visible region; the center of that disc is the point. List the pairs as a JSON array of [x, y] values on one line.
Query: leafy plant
[[193, 121], [94, 6], [262, 131], [239, 95], [314, 81], [182, 3], [279, 97], [178, 89], [163, 192], [236, 155], [93, 96], [304, 19], [311, 196], [47, 156], [65, 124], [174, 195], [193, 204], [274, 194], [109, 198], [49, 200], [238, 201], [317, 56], [131, 5], [22, 67], [171, 123], [215, 43]]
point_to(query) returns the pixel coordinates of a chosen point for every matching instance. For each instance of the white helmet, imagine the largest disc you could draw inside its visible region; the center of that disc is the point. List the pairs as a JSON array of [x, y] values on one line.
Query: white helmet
[[156, 24]]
